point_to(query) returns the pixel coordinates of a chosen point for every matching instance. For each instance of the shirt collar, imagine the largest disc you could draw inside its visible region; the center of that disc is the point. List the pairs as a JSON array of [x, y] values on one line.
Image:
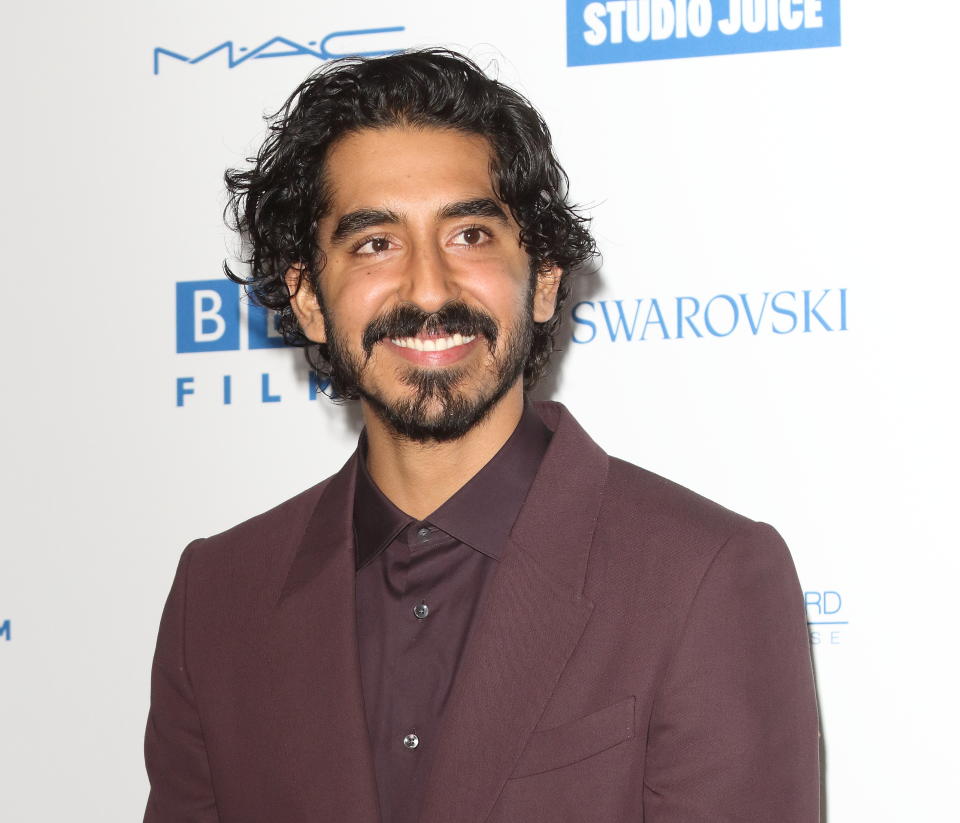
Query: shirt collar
[[480, 514]]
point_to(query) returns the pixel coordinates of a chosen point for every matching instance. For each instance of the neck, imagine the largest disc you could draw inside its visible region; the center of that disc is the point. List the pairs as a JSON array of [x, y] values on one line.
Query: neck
[[419, 477]]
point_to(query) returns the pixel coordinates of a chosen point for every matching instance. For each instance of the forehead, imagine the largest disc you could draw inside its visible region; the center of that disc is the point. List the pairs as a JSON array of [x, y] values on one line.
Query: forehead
[[403, 167]]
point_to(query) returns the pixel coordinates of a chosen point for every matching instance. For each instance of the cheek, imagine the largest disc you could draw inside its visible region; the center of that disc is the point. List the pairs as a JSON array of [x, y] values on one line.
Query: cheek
[[357, 300], [502, 289]]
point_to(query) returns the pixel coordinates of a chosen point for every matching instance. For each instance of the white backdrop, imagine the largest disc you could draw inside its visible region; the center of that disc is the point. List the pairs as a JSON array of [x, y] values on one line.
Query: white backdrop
[[765, 173]]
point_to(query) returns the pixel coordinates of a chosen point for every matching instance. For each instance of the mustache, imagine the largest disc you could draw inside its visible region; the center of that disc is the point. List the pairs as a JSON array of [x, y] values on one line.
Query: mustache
[[408, 320]]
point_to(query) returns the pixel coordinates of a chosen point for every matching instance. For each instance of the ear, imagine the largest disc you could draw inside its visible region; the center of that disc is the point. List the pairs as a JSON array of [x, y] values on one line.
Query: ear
[[545, 293], [304, 303]]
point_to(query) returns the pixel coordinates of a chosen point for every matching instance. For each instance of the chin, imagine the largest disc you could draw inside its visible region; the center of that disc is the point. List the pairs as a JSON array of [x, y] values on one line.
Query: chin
[[437, 417]]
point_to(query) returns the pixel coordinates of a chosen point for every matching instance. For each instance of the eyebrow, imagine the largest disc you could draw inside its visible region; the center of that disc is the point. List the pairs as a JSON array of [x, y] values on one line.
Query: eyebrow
[[479, 207], [362, 219]]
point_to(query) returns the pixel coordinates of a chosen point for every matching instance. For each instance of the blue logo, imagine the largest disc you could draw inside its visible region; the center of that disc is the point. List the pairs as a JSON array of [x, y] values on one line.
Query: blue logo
[[621, 31], [213, 317], [208, 318], [356, 43], [721, 315], [5, 630], [825, 617]]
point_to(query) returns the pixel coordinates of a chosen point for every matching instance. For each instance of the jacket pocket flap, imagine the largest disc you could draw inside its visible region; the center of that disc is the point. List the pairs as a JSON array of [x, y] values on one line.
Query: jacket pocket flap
[[577, 740]]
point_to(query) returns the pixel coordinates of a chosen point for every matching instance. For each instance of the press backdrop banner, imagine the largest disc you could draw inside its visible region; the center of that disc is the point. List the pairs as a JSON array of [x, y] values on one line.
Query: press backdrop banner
[[773, 186]]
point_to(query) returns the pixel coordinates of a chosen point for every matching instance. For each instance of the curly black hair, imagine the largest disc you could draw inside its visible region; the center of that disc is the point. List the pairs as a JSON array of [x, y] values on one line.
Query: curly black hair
[[277, 203]]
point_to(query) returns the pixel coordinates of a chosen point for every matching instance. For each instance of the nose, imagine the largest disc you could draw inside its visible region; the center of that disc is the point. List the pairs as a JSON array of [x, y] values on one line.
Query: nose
[[428, 280]]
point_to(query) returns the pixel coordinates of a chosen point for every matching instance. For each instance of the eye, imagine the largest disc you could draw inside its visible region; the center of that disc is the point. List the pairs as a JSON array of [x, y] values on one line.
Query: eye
[[372, 245], [471, 236]]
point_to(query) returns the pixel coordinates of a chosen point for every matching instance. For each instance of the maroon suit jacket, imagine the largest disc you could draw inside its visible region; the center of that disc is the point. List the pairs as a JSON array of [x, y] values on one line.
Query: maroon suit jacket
[[640, 654]]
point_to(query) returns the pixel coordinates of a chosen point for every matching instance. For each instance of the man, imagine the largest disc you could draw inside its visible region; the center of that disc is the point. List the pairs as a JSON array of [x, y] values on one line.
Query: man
[[482, 616]]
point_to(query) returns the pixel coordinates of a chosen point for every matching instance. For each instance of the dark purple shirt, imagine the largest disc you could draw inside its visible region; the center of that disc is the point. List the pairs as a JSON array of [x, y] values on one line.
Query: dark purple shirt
[[418, 588]]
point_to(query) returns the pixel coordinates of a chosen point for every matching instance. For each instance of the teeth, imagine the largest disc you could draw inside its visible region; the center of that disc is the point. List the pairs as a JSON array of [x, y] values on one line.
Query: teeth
[[433, 343]]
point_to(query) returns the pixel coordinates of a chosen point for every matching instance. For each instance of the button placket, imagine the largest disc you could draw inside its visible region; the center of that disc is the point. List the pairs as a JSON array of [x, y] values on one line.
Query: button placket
[[425, 535]]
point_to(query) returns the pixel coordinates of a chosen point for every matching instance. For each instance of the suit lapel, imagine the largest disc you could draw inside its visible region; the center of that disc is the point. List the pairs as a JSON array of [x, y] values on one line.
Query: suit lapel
[[531, 617], [317, 667]]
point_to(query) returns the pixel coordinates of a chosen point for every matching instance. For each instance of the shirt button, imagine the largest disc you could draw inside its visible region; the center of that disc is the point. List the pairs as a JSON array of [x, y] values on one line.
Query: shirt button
[[424, 532], [411, 741], [421, 610]]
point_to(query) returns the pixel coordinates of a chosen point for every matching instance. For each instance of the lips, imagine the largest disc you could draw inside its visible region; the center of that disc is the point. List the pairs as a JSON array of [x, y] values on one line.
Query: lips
[[433, 343], [433, 351]]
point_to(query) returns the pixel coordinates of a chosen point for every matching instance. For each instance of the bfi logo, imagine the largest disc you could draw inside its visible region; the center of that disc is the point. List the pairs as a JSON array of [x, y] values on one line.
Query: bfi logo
[[213, 317], [210, 317]]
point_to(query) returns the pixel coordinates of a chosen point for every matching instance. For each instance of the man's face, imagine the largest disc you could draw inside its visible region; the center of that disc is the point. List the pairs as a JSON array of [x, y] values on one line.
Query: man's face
[[427, 295]]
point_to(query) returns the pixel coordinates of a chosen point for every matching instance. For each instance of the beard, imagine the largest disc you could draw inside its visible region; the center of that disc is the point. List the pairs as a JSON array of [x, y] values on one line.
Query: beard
[[439, 408]]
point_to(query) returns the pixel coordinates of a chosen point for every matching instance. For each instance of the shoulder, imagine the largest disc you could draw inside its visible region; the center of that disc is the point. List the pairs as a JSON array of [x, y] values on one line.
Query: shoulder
[[645, 518], [641, 496], [655, 522], [284, 516], [258, 548], [666, 548]]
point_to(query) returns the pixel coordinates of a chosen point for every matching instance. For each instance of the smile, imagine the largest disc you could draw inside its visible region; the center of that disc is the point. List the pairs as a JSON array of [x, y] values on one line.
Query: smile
[[433, 343]]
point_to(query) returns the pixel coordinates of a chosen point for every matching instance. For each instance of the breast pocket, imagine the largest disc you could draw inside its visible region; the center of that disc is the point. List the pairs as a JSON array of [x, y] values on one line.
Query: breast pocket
[[577, 740]]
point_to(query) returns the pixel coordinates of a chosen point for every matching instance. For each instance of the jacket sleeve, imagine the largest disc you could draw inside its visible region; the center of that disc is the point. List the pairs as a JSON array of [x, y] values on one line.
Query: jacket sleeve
[[181, 790], [734, 729]]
